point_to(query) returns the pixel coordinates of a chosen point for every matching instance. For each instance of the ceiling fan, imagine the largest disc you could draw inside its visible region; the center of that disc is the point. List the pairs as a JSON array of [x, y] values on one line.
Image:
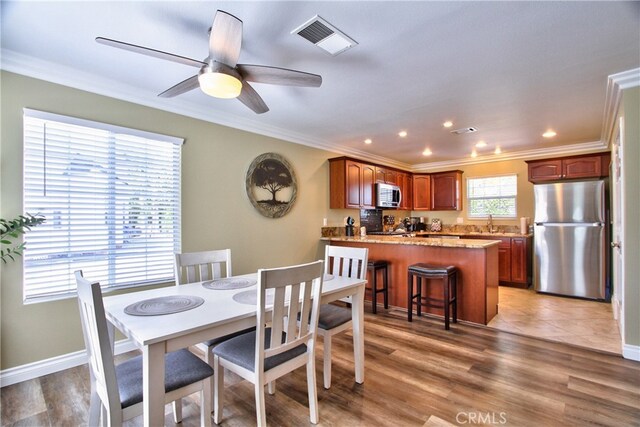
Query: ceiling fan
[[220, 75]]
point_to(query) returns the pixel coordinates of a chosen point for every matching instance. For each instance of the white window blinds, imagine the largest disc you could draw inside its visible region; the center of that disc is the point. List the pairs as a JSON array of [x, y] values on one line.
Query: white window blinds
[[111, 199], [492, 195]]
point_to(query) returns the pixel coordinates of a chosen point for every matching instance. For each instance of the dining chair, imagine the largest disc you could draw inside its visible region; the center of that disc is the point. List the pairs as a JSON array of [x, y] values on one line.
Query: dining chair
[[263, 355], [191, 267], [346, 262], [117, 390]]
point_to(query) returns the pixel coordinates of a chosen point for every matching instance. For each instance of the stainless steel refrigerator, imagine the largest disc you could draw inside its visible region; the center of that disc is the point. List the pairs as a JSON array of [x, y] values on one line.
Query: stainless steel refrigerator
[[569, 236]]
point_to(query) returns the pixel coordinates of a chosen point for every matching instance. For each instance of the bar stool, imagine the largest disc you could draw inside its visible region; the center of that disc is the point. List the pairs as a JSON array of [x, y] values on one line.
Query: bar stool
[[448, 275], [373, 267]]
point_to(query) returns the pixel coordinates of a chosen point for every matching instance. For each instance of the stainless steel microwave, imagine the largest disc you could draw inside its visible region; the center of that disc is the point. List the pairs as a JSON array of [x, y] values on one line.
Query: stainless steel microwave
[[388, 196]]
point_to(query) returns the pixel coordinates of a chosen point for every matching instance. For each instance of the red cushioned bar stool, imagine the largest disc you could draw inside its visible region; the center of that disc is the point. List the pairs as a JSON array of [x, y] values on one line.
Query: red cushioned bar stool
[[431, 273], [373, 267]]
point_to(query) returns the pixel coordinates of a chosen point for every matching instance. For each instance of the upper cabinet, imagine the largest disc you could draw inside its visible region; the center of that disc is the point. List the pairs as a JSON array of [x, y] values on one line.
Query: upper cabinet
[[446, 191], [387, 176], [351, 184], [574, 167], [404, 181], [421, 192]]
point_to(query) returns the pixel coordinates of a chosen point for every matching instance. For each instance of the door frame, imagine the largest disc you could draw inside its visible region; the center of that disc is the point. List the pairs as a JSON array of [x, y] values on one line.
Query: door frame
[[617, 227]]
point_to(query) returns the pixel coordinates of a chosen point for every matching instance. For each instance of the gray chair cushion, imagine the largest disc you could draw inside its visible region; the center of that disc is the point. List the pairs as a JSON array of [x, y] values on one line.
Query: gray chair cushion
[[332, 315], [216, 341], [181, 369], [241, 350]]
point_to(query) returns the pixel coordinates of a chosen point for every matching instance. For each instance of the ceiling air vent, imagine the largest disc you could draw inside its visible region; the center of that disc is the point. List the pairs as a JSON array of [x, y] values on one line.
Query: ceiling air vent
[[464, 130], [325, 36]]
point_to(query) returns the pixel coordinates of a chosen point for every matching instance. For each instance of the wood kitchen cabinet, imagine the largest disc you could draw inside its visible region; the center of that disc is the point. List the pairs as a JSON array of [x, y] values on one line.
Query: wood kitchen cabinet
[[388, 176], [352, 184], [421, 192], [565, 168], [514, 259], [446, 191], [405, 182]]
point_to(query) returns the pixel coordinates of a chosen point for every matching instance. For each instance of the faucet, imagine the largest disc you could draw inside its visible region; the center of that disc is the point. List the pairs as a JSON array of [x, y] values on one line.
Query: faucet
[[490, 224]]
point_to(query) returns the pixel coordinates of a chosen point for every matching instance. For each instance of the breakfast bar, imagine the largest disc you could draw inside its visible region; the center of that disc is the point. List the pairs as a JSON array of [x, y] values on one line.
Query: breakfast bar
[[476, 261]]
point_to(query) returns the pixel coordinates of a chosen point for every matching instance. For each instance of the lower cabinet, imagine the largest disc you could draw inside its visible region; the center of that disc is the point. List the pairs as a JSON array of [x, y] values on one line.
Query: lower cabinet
[[514, 260]]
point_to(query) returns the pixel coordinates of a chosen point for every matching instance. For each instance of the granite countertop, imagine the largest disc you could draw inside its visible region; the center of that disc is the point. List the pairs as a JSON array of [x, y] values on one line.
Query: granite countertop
[[472, 233], [418, 241]]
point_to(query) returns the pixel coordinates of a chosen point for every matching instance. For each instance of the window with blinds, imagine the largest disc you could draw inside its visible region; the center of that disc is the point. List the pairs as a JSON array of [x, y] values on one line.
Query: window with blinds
[[492, 195], [111, 199]]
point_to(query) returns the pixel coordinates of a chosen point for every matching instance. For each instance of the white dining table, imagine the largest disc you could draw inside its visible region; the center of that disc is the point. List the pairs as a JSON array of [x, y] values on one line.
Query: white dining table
[[219, 315]]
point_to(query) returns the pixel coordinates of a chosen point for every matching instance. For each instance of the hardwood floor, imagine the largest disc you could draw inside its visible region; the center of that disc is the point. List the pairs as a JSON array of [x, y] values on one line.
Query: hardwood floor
[[417, 374]]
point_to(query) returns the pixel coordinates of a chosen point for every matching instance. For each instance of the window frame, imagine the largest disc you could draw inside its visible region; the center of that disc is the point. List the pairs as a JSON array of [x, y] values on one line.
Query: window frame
[[139, 167], [486, 215]]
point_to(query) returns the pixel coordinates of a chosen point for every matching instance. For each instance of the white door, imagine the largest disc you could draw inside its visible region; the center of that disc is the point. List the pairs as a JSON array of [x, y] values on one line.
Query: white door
[[617, 227]]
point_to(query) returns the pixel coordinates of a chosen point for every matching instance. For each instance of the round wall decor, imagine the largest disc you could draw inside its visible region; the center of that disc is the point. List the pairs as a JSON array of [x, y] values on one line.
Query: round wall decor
[[271, 185]]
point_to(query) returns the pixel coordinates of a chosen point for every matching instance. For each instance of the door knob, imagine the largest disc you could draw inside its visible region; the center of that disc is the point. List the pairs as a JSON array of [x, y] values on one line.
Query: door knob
[[615, 245]]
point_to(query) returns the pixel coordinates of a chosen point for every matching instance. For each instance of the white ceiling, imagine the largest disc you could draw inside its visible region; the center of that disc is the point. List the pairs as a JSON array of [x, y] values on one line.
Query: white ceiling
[[510, 69]]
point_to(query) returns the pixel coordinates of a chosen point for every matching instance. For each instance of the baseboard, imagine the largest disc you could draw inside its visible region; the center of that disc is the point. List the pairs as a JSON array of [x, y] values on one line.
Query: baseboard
[[631, 352], [54, 364]]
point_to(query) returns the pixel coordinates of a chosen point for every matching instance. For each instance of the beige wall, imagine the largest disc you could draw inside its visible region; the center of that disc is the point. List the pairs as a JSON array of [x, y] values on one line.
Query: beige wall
[[216, 212], [631, 196]]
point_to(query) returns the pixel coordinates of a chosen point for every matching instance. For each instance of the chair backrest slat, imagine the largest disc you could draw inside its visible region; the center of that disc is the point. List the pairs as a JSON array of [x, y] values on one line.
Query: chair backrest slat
[[296, 291], [346, 262], [193, 267]]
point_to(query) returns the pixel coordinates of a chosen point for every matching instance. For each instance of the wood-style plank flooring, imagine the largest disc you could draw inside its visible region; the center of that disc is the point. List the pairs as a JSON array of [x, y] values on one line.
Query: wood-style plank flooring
[[417, 374]]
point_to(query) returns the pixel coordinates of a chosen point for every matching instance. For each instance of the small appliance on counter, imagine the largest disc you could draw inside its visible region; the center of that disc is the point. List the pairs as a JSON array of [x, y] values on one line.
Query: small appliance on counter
[[348, 229]]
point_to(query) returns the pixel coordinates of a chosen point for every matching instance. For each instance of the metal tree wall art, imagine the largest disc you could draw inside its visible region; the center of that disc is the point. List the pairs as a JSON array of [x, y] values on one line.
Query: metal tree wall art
[[271, 185]]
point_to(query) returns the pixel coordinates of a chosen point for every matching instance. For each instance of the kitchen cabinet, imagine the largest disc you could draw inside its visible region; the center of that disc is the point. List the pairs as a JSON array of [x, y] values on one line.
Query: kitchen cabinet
[[387, 176], [514, 259], [421, 192], [352, 184], [446, 191], [404, 181], [565, 168]]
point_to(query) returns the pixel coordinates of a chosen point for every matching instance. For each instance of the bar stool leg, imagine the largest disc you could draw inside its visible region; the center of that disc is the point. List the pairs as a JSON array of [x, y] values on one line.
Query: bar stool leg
[[374, 290], [409, 296], [386, 287], [419, 296], [455, 297], [447, 302]]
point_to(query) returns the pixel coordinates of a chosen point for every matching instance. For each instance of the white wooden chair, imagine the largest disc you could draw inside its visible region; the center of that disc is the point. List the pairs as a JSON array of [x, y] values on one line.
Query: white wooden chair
[[116, 391], [191, 267], [263, 355], [333, 319]]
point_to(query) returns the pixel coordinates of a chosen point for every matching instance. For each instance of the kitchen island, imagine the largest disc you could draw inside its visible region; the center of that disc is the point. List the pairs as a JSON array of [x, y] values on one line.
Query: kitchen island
[[476, 260]]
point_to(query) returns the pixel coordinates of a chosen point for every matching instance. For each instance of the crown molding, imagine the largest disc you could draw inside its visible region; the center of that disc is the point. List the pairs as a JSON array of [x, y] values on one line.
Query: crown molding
[[539, 153], [616, 83]]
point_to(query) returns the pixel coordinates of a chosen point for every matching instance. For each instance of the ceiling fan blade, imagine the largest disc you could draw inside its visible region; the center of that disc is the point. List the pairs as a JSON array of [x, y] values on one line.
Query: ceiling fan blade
[[278, 76], [182, 87], [150, 52], [225, 40], [251, 99]]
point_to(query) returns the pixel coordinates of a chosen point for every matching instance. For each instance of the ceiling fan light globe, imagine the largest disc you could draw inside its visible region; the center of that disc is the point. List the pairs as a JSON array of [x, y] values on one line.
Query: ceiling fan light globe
[[220, 85]]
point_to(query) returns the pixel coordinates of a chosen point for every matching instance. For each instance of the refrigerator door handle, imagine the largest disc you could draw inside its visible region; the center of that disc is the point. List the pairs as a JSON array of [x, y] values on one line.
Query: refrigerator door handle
[[570, 224]]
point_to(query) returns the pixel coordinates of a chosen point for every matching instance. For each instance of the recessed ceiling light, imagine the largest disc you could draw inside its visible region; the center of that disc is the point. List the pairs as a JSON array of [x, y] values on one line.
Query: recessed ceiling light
[[498, 150], [447, 124], [474, 154], [549, 134], [368, 141], [402, 133], [481, 144], [427, 152]]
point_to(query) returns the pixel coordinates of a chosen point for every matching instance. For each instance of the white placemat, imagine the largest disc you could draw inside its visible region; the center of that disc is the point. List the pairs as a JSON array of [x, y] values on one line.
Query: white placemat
[[229, 283], [250, 297], [163, 305]]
